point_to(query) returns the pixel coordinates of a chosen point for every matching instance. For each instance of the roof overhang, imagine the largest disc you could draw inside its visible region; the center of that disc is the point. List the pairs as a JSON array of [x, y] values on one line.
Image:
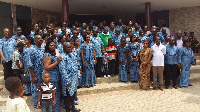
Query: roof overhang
[[105, 7]]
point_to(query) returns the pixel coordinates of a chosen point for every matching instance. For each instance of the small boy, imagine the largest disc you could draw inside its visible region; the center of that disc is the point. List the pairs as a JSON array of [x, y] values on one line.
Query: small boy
[[46, 94], [17, 65], [15, 102], [111, 50], [105, 63]]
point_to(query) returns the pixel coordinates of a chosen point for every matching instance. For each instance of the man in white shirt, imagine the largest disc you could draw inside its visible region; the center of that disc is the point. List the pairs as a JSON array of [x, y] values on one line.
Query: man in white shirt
[[159, 52]]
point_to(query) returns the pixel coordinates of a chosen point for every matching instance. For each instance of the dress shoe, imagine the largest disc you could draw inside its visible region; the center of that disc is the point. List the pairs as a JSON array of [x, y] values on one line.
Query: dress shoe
[[190, 85], [166, 86], [154, 88], [175, 87], [76, 110], [160, 88]]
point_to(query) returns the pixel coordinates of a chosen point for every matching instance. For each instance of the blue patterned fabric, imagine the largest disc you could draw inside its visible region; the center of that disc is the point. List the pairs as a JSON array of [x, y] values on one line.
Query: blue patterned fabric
[[54, 73], [100, 30], [81, 40], [77, 53], [35, 92], [32, 34], [116, 39], [124, 34], [24, 58], [111, 32], [7, 47], [151, 41], [143, 38], [97, 43], [186, 63], [134, 49], [68, 68], [136, 33], [16, 37], [88, 73], [122, 68], [120, 27], [60, 48], [56, 107], [172, 55], [162, 36], [34, 60]]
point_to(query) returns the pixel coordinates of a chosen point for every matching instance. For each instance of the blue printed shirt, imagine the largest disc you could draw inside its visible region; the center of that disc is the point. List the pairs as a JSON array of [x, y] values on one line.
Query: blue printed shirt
[[7, 47], [35, 60], [68, 68], [172, 55], [97, 43]]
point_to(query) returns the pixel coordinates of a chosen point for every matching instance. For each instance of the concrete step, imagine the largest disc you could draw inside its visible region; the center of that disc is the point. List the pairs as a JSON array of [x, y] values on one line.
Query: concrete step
[[108, 87]]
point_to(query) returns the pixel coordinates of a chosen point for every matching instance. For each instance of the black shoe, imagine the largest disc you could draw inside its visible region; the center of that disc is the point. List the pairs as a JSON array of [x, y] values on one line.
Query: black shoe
[[76, 110], [175, 87], [166, 86], [154, 88], [160, 88]]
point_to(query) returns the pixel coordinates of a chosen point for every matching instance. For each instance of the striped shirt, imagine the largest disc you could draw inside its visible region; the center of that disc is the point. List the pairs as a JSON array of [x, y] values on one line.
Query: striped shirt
[[16, 57], [46, 91], [111, 50]]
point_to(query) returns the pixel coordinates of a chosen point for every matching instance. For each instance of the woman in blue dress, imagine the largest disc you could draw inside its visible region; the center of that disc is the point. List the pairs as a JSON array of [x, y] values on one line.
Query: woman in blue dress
[[122, 51], [28, 43], [88, 57], [61, 40], [186, 55], [51, 61], [134, 50]]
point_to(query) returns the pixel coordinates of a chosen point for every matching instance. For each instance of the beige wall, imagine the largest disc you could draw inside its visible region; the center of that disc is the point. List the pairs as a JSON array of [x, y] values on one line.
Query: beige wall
[[38, 14], [185, 19]]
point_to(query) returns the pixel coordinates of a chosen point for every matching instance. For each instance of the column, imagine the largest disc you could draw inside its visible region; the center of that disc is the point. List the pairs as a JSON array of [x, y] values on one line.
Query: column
[[65, 10], [148, 14]]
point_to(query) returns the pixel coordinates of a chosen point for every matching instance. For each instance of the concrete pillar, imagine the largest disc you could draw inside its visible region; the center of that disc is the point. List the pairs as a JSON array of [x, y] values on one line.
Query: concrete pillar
[[148, 14], [65, 10]]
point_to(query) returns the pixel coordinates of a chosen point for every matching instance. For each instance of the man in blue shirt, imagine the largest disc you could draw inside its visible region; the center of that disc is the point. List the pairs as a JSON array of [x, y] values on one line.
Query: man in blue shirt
[[35, 66], [7, 47], [98, 45], [19, 37], [172, 63], [68, 68], [120, 24]]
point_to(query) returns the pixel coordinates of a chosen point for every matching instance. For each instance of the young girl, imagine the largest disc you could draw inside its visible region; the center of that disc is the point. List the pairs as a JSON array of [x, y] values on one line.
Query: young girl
[[134, 50], [105, 63], [122, 51], [88, 60], [15, 102]]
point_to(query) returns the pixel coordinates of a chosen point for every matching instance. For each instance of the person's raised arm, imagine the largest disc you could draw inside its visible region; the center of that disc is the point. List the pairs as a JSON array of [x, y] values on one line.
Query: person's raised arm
[[47, 63]]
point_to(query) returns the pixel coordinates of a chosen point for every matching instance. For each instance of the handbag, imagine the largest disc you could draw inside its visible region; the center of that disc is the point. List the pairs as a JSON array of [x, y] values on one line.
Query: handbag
[[193, 62], [25, 77]]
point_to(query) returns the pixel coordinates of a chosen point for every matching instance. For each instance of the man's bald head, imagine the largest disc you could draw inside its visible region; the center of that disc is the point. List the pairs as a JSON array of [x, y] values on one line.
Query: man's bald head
[[67, 47], [6, 32], [38, 40]]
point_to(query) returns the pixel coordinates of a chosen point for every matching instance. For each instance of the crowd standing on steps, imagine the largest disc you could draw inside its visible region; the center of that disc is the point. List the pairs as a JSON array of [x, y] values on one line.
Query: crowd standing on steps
[[60, 59]]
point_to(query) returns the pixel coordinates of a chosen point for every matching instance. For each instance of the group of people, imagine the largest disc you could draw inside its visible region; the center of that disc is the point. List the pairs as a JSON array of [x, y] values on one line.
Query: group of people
[[62, 59]]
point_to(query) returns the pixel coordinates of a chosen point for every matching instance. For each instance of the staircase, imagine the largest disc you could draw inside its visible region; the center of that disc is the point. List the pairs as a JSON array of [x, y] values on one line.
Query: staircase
[[103, 85]]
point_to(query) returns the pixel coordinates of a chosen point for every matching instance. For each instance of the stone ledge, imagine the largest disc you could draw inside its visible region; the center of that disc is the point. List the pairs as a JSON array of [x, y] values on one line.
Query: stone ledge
[[108, 87]]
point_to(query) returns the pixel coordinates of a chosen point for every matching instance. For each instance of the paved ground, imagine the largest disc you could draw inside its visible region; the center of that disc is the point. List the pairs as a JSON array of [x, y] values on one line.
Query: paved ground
[[136, 100], [170, 100]]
